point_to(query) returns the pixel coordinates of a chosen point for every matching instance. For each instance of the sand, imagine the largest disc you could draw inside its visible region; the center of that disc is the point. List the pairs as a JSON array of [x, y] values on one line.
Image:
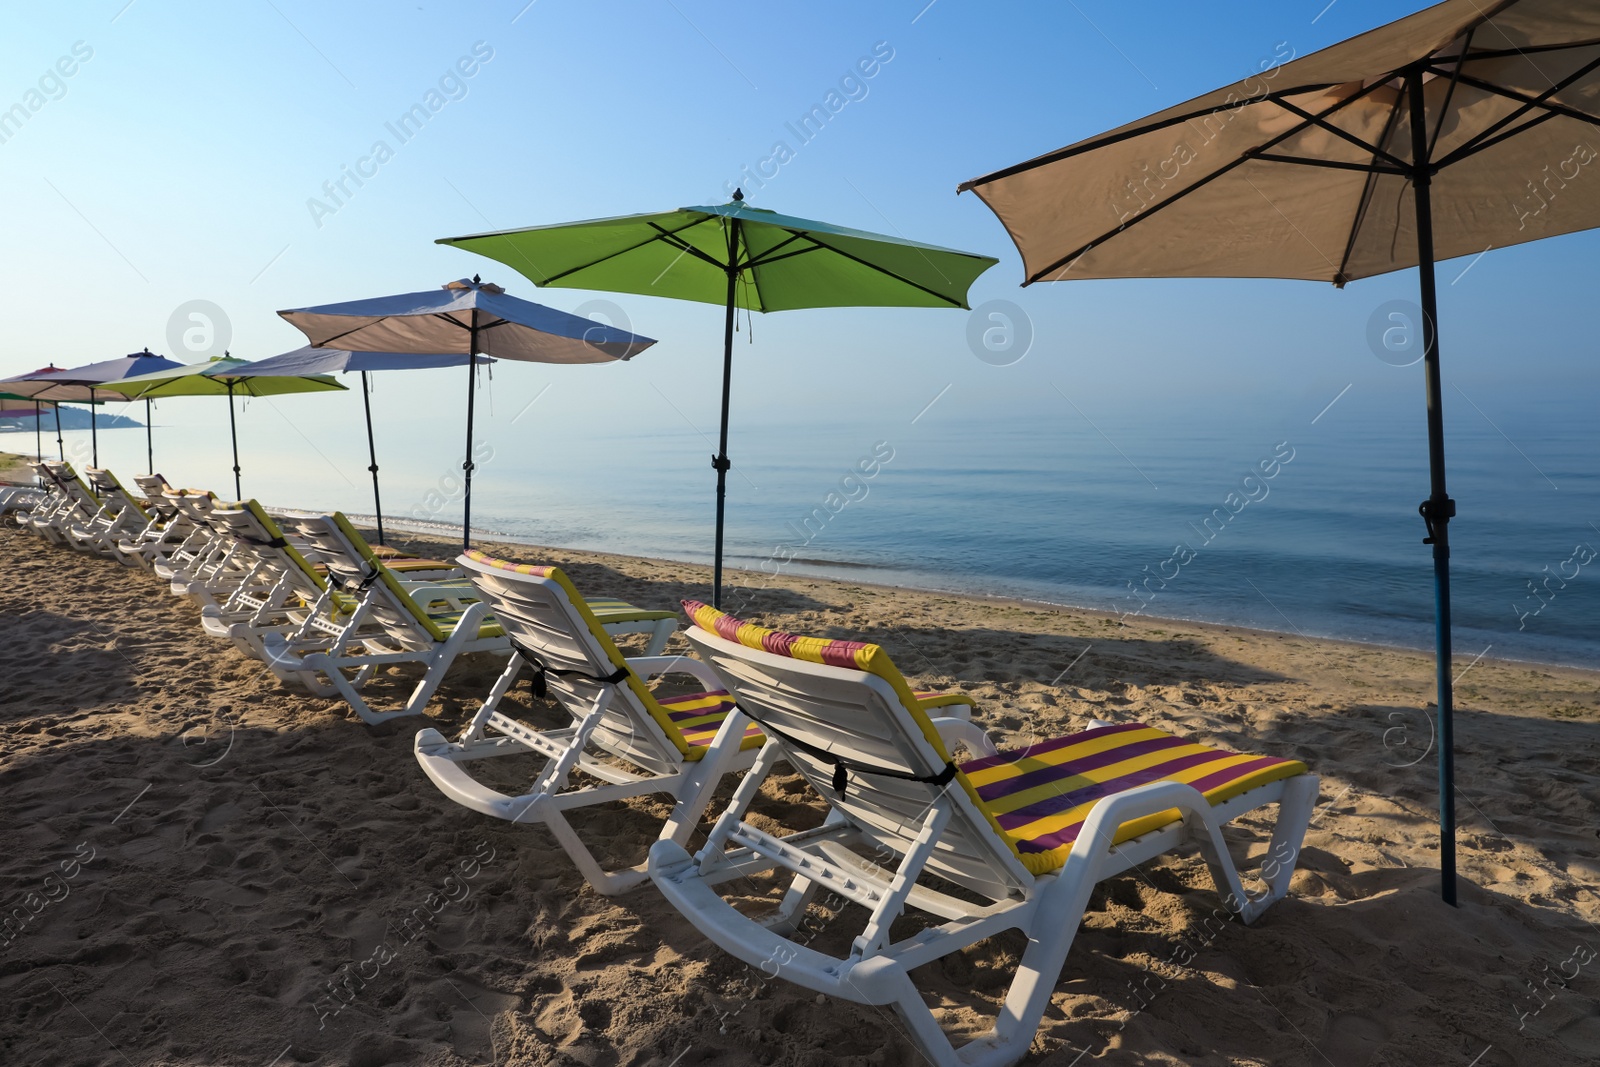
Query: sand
[[193, 856]]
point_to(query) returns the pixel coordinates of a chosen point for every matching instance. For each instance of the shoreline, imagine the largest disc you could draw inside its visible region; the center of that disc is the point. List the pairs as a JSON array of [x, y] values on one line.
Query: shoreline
[[439, 531]]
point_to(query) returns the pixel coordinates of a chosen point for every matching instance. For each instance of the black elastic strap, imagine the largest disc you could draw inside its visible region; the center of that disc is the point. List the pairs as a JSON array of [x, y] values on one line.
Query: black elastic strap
[[276, 542], [345, 585], [843, 767], [541, 669]]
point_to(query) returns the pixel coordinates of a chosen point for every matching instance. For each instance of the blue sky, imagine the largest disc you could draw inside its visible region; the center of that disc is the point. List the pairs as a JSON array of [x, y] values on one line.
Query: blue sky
[[177, 163]]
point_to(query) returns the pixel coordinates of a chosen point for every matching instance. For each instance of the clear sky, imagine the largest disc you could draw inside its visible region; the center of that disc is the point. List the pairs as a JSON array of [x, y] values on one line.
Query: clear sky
[[180, 159]]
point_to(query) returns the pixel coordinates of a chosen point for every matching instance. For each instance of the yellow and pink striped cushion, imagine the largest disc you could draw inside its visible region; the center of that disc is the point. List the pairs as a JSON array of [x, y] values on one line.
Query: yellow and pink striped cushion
[[852, 655], [1041, 795]]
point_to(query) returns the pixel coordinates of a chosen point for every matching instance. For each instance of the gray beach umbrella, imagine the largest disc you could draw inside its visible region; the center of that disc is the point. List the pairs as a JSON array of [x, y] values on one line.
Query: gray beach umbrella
[[312, 360], [1450, 132], [80, 385], [465, 318]]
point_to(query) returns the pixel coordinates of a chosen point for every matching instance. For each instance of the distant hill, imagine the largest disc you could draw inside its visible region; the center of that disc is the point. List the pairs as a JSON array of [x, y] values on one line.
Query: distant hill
[[72, 418]]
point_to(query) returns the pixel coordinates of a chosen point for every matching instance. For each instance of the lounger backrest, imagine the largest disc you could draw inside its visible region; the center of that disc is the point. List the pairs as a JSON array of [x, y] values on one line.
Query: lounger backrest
[[74, 491], [545, 614], [114, 499], [846, 699], [263, 540], [352, 568]]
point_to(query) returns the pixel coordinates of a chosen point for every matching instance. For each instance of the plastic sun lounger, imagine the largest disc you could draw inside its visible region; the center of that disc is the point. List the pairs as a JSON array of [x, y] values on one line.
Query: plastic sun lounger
[[429, 623], [74, 502], [1030, 832], [167, 529], [202, 548], [671, 745], [118, 515], [21, 498], [268, 586]]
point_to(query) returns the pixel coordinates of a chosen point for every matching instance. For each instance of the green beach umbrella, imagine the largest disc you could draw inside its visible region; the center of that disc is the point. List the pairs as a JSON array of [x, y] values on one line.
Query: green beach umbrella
[[219, 377], [740, 257]]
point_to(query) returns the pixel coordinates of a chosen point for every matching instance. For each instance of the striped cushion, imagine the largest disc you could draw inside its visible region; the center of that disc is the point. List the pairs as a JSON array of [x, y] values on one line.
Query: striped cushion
[[698, 716], [852, 655], [1040, 796]]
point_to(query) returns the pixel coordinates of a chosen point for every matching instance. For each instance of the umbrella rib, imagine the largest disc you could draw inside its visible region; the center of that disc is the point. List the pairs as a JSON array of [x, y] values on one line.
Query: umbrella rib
[[1529, 50], [1116, 138], [1485, 145], [1335, 164], [885, 271], [1207, 180], [662, 234], [1455, 79], [768, 257], [1368, 188], [328, 342], [1529, 103], [1337, 132]]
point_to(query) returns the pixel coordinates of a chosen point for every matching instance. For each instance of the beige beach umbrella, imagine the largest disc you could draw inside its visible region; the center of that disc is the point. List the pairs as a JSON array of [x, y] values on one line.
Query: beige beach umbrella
[[1465, 127]]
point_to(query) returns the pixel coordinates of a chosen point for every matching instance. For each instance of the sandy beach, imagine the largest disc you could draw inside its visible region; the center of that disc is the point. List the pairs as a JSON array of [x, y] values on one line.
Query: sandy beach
[[193, 857]]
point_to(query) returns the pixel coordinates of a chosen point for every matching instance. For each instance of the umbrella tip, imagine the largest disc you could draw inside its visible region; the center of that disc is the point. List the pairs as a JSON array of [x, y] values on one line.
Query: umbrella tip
[[476, 280], [738, 194]]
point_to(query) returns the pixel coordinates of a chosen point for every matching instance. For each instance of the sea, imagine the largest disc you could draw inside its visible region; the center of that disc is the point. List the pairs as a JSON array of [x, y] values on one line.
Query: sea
[[1293, 516]]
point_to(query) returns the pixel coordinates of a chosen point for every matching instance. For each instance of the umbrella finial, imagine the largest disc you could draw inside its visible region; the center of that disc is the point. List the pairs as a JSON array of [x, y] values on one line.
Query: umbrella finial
[[476, 280], [738, 194]]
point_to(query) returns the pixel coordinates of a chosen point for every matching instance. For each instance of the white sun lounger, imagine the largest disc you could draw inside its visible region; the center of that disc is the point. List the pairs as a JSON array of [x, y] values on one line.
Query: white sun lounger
[[1029, 833], [118, 516], [624, 741], [428, 623]]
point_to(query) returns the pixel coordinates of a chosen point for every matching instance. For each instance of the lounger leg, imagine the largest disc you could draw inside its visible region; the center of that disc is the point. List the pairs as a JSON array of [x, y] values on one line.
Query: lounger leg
[[695, 792], [439, 665], [664, 629], [502, 686]]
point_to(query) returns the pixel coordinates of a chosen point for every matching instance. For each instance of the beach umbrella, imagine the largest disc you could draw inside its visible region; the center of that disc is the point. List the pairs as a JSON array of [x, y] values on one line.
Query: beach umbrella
[[312, 360], [465, 318], [24, 386], [1450, 132], [11, 404], [219, 376], [740, 257], [82, 385]]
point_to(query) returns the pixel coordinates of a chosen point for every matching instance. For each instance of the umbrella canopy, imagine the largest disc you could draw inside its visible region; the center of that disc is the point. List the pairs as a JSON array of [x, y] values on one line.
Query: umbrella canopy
[[23, 386], [1418, 141], [313, 360], [465, 318], [220, 376], [740, 257], [80, 384]]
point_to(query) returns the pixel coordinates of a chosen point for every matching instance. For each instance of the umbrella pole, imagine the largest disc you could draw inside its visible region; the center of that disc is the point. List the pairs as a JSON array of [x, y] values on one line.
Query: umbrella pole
[[233, 432], [372, 453], [38, 441], [149, 438], [61, 448], [94, 437], [720, 460], [1439, 508], [466, 466]]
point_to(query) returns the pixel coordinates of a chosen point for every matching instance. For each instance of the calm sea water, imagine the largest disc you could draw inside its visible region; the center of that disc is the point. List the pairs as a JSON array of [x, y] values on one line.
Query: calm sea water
[[1321, 537]]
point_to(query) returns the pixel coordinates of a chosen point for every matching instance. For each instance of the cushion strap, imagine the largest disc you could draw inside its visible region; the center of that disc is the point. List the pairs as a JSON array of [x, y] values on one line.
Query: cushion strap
[[842, 767], [541, 669]]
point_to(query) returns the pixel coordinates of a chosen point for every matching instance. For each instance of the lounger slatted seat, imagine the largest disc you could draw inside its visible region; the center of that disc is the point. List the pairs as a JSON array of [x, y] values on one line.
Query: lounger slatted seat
[[428, 623], [624, 740], [1030, 832]]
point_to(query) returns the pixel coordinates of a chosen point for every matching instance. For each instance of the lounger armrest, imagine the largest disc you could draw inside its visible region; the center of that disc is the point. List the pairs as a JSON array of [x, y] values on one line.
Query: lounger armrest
[[955, 732], [647, 666]]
